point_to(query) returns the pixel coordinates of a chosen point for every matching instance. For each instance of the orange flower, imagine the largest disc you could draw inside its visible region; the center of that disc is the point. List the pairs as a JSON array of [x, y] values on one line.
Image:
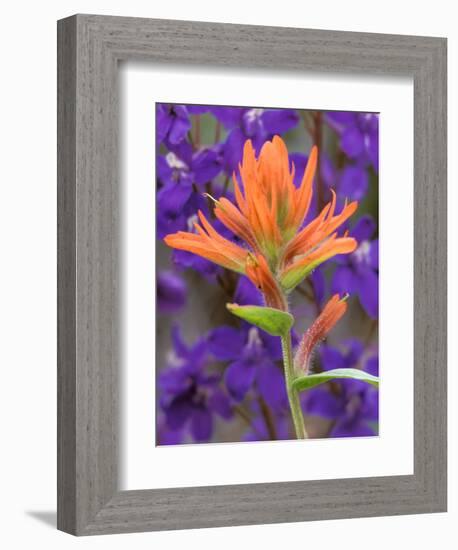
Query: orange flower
[[268, 216], [271, 209], [332, 312]]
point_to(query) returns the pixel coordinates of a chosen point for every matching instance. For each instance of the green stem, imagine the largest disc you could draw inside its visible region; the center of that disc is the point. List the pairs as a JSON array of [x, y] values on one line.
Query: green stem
[[293, 395]]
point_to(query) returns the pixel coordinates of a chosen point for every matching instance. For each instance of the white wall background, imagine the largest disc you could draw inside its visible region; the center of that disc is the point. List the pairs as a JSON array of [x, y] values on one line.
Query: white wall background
[[28, 272]]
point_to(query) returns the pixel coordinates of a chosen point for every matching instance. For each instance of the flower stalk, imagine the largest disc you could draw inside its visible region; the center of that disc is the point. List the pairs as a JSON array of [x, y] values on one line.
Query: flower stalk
[[293, 394]]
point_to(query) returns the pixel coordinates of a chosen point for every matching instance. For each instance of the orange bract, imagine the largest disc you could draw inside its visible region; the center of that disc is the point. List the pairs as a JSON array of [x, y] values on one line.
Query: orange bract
[[268, 216], [209, 244]]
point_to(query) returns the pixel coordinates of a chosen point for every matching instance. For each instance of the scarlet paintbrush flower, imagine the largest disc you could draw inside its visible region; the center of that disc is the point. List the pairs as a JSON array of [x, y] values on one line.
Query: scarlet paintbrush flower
[[332, 312], [269, 215]]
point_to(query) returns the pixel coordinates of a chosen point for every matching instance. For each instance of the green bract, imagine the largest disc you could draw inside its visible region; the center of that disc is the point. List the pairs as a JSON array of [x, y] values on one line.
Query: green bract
[[274, 321]]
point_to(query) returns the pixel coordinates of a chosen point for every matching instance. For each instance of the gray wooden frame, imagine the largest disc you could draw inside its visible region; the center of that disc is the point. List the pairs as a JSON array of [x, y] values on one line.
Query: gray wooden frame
[[89, 48]]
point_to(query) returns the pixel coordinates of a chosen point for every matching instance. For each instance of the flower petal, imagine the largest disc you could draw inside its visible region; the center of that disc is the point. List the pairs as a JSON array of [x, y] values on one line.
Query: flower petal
[[321, 402], [344, 281], [368, 292], [271, 385], [226, 343], [219, 403], [239, 378]]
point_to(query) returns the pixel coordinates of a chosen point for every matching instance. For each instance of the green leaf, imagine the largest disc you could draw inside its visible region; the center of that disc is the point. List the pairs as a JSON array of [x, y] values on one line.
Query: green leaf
[[274, 321], [302, 383]]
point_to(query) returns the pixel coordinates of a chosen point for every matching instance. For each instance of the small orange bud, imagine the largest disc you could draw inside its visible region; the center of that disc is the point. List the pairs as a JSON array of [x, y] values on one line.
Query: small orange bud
[[332, 312]]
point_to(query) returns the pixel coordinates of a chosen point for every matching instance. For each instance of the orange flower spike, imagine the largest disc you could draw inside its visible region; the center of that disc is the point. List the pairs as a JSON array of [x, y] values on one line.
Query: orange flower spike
[[267, 216], [270, 209], [332, 312]]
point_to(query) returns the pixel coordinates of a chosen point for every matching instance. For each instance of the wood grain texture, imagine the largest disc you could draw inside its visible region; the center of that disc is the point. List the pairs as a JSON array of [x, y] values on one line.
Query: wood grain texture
[[66, 275], [90, 48]]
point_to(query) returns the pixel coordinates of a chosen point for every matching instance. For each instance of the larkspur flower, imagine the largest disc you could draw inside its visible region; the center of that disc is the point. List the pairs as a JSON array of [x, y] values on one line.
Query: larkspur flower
[[258, 125], [251, 357], [180, 172], [246, 293], [318, 281], [351, 404], [359, 137], [166, 436], [268, 216], [171, 292], [351, 180], [172, 122], [190, 395]]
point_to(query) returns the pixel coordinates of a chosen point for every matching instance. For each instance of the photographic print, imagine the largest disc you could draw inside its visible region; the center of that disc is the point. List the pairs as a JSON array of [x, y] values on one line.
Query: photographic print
[[266, 274]]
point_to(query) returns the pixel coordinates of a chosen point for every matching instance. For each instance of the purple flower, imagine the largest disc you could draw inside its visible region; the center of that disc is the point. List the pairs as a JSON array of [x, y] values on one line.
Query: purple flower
[[178, 172], [359, 138], [185, 166], [197, 109], [357, 273], [186, 260], [171, 292], [353, 182], [246, 293], [175, 181], [172, 208], [258, 125], [206, 164], [318, 281], [173, 169], [351, 404], [166, 436], [252, 357], [172, 123], [190, 395]]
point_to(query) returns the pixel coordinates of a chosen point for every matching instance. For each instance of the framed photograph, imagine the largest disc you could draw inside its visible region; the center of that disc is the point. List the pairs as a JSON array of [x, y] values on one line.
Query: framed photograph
[[251, 275]]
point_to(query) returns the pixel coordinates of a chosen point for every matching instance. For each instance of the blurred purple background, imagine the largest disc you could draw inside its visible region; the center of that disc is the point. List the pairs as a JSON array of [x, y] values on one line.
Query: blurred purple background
[[218, 378]]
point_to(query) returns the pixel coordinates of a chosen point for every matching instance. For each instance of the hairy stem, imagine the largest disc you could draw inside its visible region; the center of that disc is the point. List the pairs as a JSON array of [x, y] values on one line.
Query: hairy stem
[[293, 395]]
